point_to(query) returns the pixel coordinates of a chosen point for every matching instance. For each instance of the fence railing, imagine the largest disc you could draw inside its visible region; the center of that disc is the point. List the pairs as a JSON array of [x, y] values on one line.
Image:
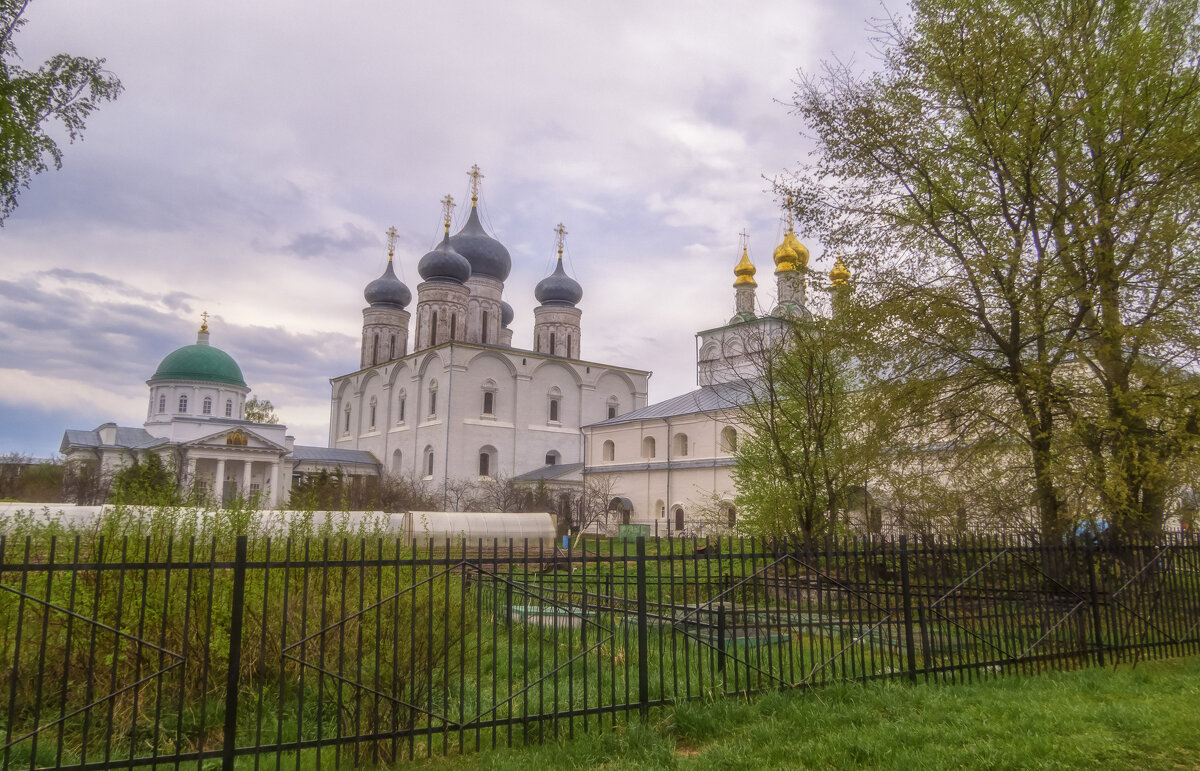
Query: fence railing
[[136, 653]]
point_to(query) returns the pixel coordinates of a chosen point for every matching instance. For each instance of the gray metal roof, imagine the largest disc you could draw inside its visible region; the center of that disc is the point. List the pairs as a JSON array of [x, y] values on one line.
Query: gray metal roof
[[721, 396], [548, 473], [127, 437], [333, 455]]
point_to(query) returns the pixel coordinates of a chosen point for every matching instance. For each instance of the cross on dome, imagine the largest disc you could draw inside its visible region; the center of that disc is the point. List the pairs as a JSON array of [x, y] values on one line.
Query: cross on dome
[[475, 176], [392, 235], [204, 321], [561, 233], [447, 209]]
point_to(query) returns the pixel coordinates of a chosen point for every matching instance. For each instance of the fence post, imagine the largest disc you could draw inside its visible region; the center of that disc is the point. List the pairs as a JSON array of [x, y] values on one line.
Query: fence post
[[720, 637], [235, 654], [643, 645], [906, 590], [1097, 628]]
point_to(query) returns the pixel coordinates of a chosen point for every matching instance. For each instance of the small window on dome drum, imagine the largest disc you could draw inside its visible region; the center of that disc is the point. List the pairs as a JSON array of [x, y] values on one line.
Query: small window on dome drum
[[206, 407], [183, 404], [162, 402], [229, 408]]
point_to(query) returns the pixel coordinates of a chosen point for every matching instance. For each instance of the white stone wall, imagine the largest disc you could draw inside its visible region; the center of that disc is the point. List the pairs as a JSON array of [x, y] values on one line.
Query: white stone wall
[[168, 393], [518, 433], [657, 486]]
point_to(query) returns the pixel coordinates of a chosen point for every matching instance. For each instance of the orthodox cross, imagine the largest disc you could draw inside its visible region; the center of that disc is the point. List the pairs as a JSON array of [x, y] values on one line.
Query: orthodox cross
[[392, 234], [745, 239], [561, 233], [204, 321], [447, 209], [475, 176]]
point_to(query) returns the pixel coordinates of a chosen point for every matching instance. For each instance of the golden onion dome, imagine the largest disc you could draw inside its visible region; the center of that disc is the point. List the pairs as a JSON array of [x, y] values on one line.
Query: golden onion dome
[[791, 254], [801, 251], [785, 255], [745, 271], [840, 273]]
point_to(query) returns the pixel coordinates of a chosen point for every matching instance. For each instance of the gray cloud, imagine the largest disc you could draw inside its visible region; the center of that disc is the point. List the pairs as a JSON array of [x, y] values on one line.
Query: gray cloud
[[241, 175]]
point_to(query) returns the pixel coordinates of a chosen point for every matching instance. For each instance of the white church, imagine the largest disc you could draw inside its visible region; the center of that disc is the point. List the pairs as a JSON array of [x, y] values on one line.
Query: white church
[[464, 403]]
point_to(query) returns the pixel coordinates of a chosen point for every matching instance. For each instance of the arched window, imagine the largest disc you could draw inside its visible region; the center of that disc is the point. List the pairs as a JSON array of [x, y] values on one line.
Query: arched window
[[371, 414], [375, 350], [183, 403], [162, 402], [731, 514], [613, 406], [553, 351], [609, 450], [681, 445], [433, 329], [489, 397], [229, 408], [679, 518], [648, 447], [428, 464], [453, 326], [555, 403], [483, 324], [660, 508], [392, 348], [729, 439], [568, 346], [206, 405], [552, 458], [400, 406], [487, 461], [433, 399], [397, 462], [346, 423]]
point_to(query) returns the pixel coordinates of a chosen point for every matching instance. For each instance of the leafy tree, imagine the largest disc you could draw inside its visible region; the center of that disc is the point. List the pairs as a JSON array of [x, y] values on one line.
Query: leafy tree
[[809, 436], [146, 482], [1017, 187], [64, 88], [260, 411]]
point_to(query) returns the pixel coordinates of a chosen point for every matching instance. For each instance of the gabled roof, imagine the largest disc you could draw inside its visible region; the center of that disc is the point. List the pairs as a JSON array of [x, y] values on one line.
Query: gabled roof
[[333, 455], [549, 473], [127, 438], [710, 398]]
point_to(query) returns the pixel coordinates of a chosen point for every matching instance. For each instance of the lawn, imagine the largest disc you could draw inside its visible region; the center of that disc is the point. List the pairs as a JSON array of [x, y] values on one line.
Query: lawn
[[1145, 717]]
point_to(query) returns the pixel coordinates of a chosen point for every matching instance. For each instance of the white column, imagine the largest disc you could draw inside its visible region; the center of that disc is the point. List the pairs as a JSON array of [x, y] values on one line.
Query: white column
[[246, 468], [274, 498], [219, 481]]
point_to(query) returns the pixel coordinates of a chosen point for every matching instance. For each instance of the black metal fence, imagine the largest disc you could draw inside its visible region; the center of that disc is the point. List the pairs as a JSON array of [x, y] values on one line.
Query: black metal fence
[[282, 653]]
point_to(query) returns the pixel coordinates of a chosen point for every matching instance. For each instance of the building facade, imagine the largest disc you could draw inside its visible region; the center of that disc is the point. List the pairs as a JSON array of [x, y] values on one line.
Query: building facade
[[669, 465], [464, 403]]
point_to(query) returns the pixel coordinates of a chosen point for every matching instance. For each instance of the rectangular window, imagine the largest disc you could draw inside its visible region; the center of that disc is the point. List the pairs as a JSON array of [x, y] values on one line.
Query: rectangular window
[[432, 403], [488, 402], [401, 409], [484, 464], [554, 410], [372, 416], [229, 408], [612, 412]]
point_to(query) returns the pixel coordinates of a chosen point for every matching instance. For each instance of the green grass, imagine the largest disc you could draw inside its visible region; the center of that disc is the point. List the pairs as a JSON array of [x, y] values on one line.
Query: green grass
[[1147, 717]]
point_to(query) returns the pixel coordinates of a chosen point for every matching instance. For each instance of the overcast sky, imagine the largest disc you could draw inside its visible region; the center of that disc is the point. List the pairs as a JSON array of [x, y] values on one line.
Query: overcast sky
[[261, 149]]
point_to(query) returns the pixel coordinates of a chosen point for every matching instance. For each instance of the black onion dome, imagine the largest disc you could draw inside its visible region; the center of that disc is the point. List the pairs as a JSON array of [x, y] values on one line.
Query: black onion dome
[[558, 288], [444, 263], [387, 290], [487, 256], [506, 314]]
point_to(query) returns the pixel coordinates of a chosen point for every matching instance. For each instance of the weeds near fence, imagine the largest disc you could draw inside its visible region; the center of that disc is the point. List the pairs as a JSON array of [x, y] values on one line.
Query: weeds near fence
[[153, 638]]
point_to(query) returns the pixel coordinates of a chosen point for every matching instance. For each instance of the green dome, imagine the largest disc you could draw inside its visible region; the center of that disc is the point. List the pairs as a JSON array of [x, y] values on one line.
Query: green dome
[[200, 362]]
